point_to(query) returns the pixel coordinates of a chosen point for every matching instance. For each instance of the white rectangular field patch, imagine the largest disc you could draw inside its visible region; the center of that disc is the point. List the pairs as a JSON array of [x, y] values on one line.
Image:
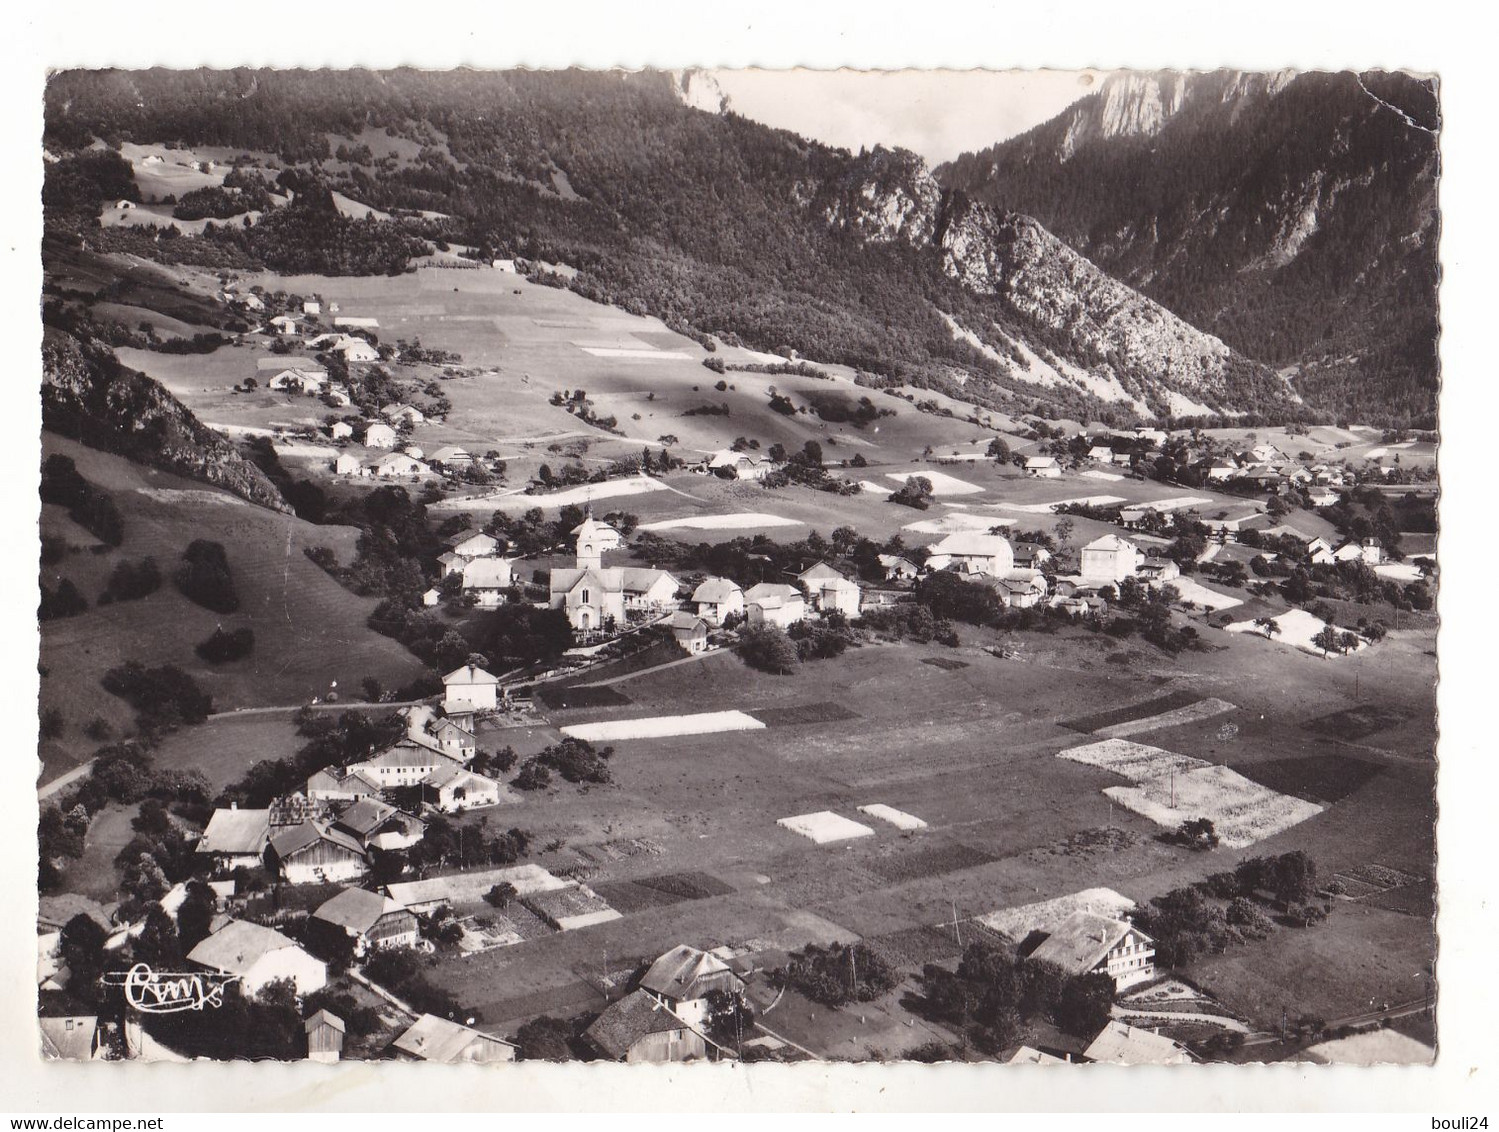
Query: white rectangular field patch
[[741, 520], [941, 484], [645, 353], [825, 826], [898, 818], [1202, 709], [1134, 761], [663, 726], [1242, 811]]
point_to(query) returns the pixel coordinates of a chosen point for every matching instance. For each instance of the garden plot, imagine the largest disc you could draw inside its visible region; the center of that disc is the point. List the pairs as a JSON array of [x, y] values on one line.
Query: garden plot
[[941, 484], [1242, 811], [1098, 721], [1134, 761], [1045, 915], [663, 726], [898, 818], [740, 520], [1399, 571], [1190, 713], [1297, 628], [824, 827], [571, 908], [1098, 474]]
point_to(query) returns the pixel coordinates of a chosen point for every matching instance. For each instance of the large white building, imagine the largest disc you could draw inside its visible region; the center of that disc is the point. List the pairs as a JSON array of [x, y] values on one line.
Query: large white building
[[1110, 559], [972, 552]]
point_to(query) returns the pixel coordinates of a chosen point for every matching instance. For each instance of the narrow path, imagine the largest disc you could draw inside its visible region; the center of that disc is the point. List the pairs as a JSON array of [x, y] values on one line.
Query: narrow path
[[64, 780], [648, 671], [766, 1030]]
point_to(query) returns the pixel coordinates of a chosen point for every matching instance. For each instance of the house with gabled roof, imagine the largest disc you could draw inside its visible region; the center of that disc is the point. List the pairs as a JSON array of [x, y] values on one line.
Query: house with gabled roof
[[296, 375], [639, 1028], [316, 852], [729, 464], [470, 689], [718, 598], [397, 413], [394, 464], [325, 1037], [898, 568], [442, 1042], [489, 580], [455, 790], [235, 838], [374, 920], [337, 784], [684, 977], [450, 456], [404, 763], [1087, 943], [258, 955], [690, 630], [1110, 559], [379, 435], [972, 552], [379, 825], [830, 591], [1043, 467], [774, 603], [1119, 1043]]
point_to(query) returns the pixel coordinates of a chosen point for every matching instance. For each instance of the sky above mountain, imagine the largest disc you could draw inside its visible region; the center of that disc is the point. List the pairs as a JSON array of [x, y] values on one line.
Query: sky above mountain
[[938, 114]]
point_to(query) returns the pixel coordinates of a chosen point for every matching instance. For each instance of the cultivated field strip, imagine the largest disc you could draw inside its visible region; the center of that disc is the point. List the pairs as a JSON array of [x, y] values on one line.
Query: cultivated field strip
[[663, 726], [1192, 713]]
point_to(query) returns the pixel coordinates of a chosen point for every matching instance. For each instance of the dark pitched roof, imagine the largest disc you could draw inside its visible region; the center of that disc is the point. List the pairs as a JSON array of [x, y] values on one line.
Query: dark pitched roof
[[627, 1021]]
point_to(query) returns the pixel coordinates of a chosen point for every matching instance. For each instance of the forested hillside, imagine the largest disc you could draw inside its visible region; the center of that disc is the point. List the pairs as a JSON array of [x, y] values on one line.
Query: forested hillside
[[1292, 215], [717, 224]]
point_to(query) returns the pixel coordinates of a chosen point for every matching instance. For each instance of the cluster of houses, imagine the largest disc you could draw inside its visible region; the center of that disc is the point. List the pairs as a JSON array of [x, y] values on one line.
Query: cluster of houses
[[330, 830]]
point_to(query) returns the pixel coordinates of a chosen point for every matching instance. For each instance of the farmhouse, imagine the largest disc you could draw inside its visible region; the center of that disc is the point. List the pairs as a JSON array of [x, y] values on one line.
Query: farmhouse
[[437, 1040], [736, 466], [379, 825], [315, 853], [898, 568], [775, 604], [1159, 569], [1102, 453], [1222, 470], [312, 306], [341, 430], [258, 955], [347, 465], [335, 784], [690, 631], [353, 348], [684, 977], [469, 689], [1020, 589], [454, 790], [451, 456], [297, 375], [235, 838], [404, 763], [1119, 1043], [1110, 559], [1086, 943], [373, 920], [1322, 497], [718, 598], [1043, 467], [1031, 555], [638, 1029], [394, 464], [971, 552], [397, 413], [1369, 551], [379, 435], [830, 591], [488, 579], [457, 889], [284, 324]]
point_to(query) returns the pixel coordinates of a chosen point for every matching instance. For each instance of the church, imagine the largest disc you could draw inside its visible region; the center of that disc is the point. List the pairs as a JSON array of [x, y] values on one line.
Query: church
[[598, 597]]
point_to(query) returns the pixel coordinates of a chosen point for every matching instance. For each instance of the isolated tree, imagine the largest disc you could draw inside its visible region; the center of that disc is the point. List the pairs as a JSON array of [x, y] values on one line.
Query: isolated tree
[[1326, 639], [1064, 529], [999, 450], [1267, 625], [204, 576], [1348, 641]]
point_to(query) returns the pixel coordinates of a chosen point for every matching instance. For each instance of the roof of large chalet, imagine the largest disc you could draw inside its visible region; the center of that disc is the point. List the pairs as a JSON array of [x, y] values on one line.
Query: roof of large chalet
[[470, 674], [728, 458], [406, 752], [685, 620], [821, 572], [277, 364], [357, 909], [1110, 544], [716, 590], [1119, 1043], [236, 947], [973, 544], [773, 593], [336, 778], [1040, 461], [627, 1021], [431, 1038], [468, 534], [451, 452], [236, 831], [296, 838], [677, 975], [1081, 941], [447, 775]]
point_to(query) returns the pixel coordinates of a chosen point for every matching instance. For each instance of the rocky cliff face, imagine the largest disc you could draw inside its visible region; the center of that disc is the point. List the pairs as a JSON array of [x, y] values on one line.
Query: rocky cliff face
[[1292, 215], [87, 395], [1095, 332]]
